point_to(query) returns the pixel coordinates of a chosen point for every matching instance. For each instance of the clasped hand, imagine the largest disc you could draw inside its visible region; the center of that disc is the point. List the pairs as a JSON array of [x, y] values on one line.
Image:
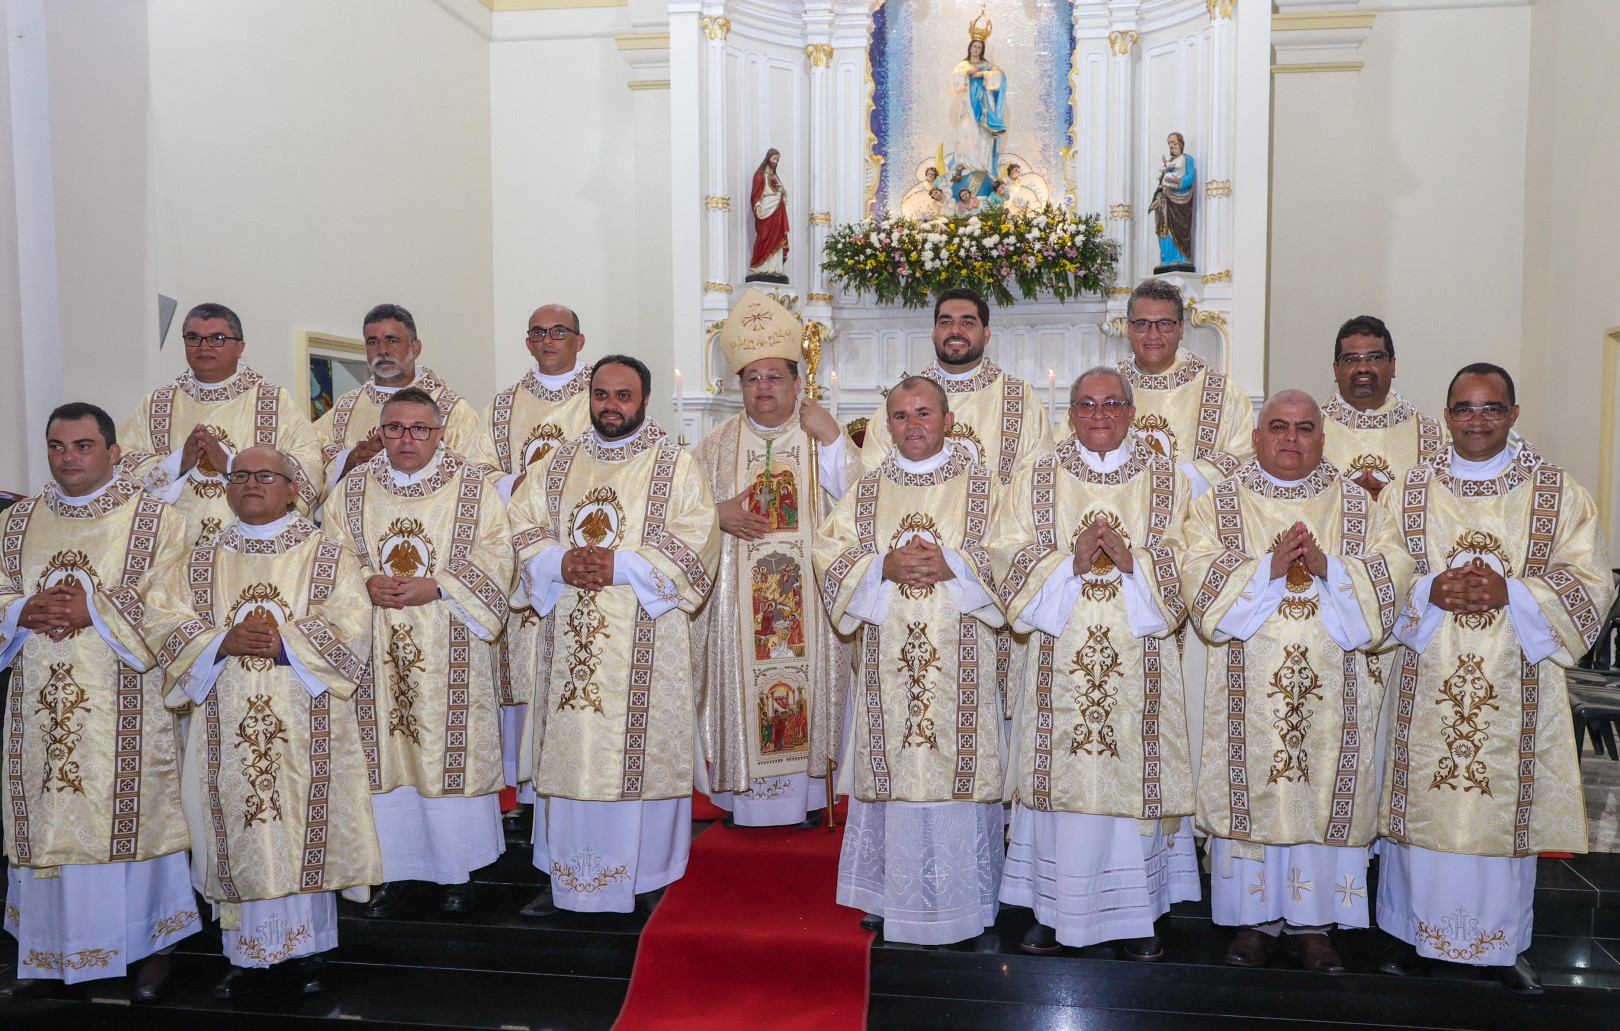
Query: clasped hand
[[1474, 587], [1097, 539], [589, 568], [918, 564], [1298, 546], [57, 611], [398, 592], [202, 442], [253, 636]]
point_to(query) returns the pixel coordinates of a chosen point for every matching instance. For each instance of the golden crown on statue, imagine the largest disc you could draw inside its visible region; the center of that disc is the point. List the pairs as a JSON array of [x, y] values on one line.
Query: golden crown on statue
[[978, 31]]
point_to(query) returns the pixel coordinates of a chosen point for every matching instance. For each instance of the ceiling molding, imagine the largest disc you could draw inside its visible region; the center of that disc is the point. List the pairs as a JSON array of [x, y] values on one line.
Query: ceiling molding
[[1324, 66], [1305, 21]]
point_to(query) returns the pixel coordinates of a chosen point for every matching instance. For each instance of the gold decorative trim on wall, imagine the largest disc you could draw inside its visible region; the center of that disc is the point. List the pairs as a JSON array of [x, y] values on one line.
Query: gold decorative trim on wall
[[641, 84], [719, 288], [819, 54], [1120, 291], [717, 27], [819, 298], [714, 203], [1219, 9], [1218, 188], [821, 218], [1325, 66], [643, 41], [1121, 211], [1122, 41], [1224, 276], [1309, 21]]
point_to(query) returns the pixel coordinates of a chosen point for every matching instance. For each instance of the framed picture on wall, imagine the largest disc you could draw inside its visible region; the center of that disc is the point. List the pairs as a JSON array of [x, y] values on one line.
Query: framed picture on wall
[[334, 366]]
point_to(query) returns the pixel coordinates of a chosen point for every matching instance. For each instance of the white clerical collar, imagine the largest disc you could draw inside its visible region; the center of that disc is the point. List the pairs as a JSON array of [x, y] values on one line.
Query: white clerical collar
[[1283, 483], [84, 499], [621, 442], [1489, 469], [406, 479], [1175, 363], [1109, 462], [957, 377], [215, 386], [926, 465], [763, 430], [557, 382], [265, 531], [1390, 401]]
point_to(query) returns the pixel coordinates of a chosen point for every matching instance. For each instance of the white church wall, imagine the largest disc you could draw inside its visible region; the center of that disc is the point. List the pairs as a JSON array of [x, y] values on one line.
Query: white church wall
[[1398, 191], [15, 442], [331, 157]]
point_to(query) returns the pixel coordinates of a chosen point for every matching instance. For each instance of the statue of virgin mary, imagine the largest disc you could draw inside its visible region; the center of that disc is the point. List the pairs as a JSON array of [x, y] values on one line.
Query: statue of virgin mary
[[980, 91]]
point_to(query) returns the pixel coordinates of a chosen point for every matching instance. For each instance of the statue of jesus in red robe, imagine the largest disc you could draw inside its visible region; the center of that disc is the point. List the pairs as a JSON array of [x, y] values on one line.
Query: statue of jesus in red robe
[[768, 264]]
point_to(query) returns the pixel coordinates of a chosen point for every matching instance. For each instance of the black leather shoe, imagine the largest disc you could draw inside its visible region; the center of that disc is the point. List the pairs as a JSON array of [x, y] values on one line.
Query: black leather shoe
[[872, 922], [151, 980], [648, 901], [1521, 978], [1143, 950], [1040, 940], [1250, 947], [728, 821], [27, 988], [459, 898], [234, 983], [1401, 960], [386, 901], [306, 975], [540, 905], [518, 825], [810, 822]]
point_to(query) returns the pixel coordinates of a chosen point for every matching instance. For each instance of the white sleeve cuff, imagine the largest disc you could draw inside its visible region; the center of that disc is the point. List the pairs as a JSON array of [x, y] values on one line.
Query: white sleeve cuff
[[1053, 604], [1419, 618], [313, 684], [1258, 603], [1195, 479], [830, 463], [1341, 615], [479, 630], [165, 481], [966, 590], [870, 600], [542, 579], [503, 487], [1140, 607], [124, 654], [1535, 633], [12, 634], [199, 680], [654, 590], [337, 467]]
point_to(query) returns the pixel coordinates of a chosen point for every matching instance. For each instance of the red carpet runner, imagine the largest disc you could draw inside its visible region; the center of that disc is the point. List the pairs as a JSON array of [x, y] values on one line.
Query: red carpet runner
[[751, 938]]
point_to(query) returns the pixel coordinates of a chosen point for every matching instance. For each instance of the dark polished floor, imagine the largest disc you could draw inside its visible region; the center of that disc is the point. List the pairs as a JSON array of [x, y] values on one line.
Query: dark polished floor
[[495, 969]]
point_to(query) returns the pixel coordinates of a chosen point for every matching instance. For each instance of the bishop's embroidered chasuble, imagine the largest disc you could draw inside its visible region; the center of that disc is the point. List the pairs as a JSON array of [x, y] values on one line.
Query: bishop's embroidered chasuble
[[613, 713], [1482, 758], [1387, 441], [1191, 413], [1101, 724], [92, 764], [428, 706], [931, 726], [1288, 744], [355, 415], [245, 411], [520, 428], [772, 675], [275, 785]]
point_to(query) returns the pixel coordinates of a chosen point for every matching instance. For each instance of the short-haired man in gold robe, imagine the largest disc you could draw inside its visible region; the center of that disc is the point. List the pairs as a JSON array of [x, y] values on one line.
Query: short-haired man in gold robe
[[1194, 416], [98, 877], [348, 433], [1086, 548], [902, 562], [1373, 434], [1293, 574], [1484, 770], [258, 632], [618, 544], [182, 438], [522, 425], [430, 531], [771, 674]]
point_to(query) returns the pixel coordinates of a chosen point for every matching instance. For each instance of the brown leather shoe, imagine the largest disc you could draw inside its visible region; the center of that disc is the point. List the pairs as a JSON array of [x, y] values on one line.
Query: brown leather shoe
[[1316, 953], [1251, 948]]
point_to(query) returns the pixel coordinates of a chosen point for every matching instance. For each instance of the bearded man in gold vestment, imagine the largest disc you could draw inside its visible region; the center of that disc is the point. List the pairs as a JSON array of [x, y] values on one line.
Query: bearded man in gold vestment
[[264, 635], [902, 561], [618, 544], [1087, 548], [1293, 574], [772, 675], [1484, 771], [95, 837]]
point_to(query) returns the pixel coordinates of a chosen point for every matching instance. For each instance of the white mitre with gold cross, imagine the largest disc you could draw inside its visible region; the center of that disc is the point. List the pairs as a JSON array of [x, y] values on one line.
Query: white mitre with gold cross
[[759, 327]]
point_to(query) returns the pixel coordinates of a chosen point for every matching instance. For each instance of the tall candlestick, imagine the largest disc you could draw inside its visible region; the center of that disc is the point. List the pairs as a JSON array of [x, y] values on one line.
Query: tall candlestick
[[832, 401], [1051, 393], [680, 409]]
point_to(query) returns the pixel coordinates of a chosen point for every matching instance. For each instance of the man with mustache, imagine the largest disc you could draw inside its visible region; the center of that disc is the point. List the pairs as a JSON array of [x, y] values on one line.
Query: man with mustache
[[431, 533], [264, 637], [182, 438], [348, 433], [617, 543], [525, 422], [1373, 434], [1293, 574], [779, 465], [1484, 772], [98, 878], [902, 562]]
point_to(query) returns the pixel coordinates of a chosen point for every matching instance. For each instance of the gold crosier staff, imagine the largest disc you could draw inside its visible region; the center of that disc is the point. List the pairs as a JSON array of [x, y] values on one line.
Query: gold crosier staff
[[814, 334]]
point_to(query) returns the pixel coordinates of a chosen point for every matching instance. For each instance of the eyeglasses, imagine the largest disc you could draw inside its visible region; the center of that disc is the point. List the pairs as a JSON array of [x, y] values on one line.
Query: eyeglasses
[[1492, 412], [539, 333], [396, 430], [214, 340], [1369, 358], [1162, 325], [264, 476], [773, 380], [1109, 408]]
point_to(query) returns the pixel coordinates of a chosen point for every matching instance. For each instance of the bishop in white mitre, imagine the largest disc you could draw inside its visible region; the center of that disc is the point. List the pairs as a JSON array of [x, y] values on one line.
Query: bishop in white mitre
[[348, 432], [618, 545], [1293, 574], [522, 425], [431, 532], [97, 875], [772, 676], [1086, 549], [264, 635], [182, 438], [902, 563], [1512, 586]]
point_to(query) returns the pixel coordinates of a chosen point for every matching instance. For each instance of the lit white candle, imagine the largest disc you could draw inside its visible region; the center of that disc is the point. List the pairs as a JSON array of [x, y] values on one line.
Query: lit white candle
[[680, 407], [832, 404], [1051, 393]]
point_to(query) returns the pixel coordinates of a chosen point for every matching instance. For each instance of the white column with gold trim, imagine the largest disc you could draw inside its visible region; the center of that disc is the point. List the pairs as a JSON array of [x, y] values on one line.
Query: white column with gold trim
[[1122, 131]]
